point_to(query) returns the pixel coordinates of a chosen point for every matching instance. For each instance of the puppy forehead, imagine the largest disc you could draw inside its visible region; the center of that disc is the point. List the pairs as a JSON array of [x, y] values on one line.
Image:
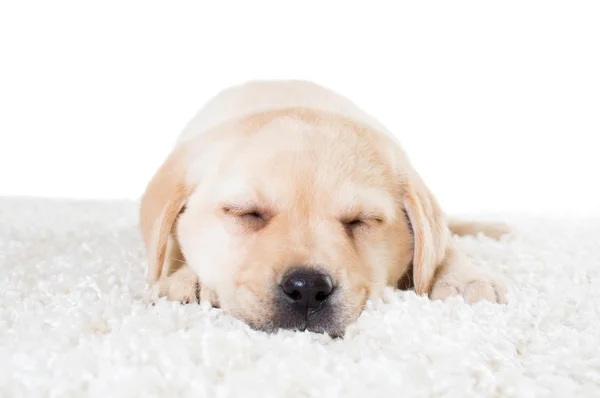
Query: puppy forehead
[[346, 196], [291, 160]]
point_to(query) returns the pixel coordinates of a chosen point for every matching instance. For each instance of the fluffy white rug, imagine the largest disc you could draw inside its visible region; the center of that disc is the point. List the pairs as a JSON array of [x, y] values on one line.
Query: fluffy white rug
[[75, 322]]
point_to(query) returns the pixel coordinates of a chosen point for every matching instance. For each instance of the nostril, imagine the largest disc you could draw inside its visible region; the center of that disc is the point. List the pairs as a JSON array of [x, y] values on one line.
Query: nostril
[[321, 296], [294, 295]]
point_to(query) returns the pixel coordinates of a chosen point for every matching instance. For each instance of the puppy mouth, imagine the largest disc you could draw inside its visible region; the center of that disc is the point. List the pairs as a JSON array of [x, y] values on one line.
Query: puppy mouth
[[311, 323], [307, 325], [321, 321], [332, 330], [324, 318]]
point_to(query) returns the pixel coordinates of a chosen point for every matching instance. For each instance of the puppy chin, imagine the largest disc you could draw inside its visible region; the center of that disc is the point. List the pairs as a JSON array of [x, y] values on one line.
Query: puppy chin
[[329, 319], [333, 330]]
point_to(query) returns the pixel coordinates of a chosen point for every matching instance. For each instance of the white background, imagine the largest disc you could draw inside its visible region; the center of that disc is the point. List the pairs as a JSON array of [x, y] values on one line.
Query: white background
[[497, 103]]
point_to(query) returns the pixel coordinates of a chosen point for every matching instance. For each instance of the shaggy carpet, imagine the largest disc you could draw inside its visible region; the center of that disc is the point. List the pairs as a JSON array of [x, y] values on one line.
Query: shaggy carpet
[[75, 321]]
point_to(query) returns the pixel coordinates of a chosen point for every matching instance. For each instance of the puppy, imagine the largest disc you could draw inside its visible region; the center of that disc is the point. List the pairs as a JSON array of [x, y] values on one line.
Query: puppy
[[289, 207]]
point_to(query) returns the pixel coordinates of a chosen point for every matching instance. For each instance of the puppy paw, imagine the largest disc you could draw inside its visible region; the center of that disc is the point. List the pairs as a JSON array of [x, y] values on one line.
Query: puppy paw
[[209, 296], [182, 286], [472, 290]]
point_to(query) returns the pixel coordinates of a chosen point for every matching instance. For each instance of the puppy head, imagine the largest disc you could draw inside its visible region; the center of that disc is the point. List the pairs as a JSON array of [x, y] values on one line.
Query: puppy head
[[294, 219]]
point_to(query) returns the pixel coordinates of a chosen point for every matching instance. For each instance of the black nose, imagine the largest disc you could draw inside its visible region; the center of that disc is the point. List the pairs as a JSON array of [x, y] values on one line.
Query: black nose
[[307, 288]]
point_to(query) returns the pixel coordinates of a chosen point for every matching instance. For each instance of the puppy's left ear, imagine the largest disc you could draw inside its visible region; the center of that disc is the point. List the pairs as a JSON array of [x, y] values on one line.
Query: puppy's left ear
[[431, 235], [163, 200]]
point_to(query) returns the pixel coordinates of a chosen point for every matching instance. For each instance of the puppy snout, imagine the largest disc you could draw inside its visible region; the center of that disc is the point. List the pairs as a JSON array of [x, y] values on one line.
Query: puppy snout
[[306, 289]]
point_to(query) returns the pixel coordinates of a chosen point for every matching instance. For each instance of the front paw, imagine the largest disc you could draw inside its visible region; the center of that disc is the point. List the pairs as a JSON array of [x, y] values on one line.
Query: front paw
[[184, 286], [181, 286], [472, 290]]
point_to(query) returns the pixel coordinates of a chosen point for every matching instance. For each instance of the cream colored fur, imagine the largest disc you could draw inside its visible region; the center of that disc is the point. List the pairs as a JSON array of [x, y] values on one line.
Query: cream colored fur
[[219, 159]]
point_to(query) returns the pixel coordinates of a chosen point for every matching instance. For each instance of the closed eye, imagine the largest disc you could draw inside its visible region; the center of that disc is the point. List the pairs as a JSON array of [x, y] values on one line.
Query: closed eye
[[353, 224], [243, 212], [248, 217], [370, 218], [252, 215], [354, 227]]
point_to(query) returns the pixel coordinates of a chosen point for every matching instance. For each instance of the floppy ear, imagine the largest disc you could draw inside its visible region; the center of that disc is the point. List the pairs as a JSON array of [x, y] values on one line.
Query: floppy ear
[[163, 200], [430, 233]]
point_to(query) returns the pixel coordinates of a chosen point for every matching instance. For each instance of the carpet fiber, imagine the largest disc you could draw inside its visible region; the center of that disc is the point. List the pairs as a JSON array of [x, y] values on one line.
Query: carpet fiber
[[75, 321]]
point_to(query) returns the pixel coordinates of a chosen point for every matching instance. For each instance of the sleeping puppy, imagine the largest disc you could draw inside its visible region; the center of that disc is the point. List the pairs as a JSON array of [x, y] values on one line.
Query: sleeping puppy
[[289, 207]]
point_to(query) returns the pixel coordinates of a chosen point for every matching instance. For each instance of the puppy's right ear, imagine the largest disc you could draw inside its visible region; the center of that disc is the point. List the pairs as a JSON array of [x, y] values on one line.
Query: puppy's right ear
[[163, 200]]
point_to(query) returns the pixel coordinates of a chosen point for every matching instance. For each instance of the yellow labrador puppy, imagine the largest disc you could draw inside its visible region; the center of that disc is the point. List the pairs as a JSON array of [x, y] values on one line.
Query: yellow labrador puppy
[[289, 207]]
